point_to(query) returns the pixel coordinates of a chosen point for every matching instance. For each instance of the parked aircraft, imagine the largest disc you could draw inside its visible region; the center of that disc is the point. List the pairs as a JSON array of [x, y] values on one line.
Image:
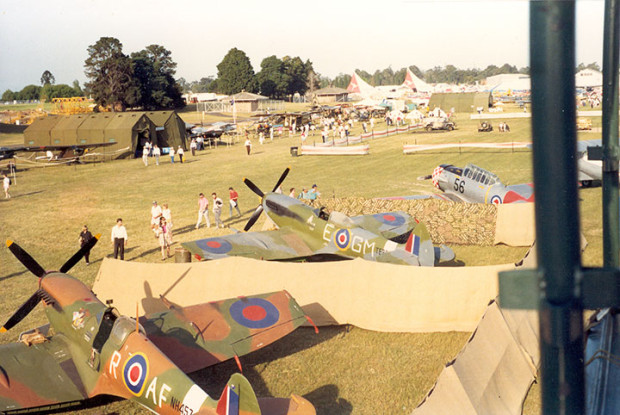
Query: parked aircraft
[[66, 151], [89, 349], [313, 234], [474, 184]]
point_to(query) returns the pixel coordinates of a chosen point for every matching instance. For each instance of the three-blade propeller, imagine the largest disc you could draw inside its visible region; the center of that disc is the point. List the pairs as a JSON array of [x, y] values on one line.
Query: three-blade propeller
[[34, 267], [260, 193]]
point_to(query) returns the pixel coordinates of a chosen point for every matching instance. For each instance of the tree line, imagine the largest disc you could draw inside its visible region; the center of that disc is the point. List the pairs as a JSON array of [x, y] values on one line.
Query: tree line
[[46, 91]]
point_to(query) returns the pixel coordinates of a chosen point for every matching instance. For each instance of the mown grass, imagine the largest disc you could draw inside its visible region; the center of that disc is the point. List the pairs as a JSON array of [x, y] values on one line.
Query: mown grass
[[343, 369]]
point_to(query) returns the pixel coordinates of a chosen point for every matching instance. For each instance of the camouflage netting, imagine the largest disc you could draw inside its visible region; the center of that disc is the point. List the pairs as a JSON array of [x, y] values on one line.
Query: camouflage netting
[[447, 222]]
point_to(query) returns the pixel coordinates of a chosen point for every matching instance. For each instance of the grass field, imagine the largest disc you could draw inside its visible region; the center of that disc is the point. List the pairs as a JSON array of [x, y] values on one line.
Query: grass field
[[342, 370]]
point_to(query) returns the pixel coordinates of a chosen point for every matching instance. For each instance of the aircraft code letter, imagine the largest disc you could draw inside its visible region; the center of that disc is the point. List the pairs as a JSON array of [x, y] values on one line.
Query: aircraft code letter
[[114, 362]]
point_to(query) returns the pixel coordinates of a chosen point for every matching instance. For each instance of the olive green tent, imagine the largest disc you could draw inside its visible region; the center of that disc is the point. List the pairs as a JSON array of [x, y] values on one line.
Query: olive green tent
[[170, 129], [38, 133], [91, 130], [461, 101], [131, 130], [64, 132]]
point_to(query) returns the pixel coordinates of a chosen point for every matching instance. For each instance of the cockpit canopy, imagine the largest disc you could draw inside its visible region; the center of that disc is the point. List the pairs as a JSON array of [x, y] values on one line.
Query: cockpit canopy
[[480, 175]]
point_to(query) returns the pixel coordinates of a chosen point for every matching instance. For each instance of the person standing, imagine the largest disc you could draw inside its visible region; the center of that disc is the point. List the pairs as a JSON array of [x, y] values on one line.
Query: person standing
[[248, 145], [162, 232], [6, 184], [234, 201], [203, 210], [217, 210], [180, 152], [171, 155], [119, 239], [155, 214], [85, 237], [145, 155], [292, 193], [193, 146], [166, 213], [156, 154]]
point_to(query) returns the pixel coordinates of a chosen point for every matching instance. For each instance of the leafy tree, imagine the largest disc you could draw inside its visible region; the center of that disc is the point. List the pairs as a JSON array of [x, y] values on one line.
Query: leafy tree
[[153, 85], [47, 78], [57, 91], [9, 95], [29, 93], [77, 90], [592, 65], [109, 72], [342, 80], [183, 84], [298, 71], [235, 73], [272, 79], [203, 85]]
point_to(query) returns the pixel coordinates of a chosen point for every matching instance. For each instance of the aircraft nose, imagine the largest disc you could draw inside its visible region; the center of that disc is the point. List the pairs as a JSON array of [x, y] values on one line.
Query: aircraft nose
[[436, 173]]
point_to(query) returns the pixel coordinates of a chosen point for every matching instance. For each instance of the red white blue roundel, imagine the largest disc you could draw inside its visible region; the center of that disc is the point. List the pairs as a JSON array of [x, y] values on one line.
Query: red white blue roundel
[[254, 313], [496, 200], [342, 239], [135, 372], [393, 219], [214, 245]]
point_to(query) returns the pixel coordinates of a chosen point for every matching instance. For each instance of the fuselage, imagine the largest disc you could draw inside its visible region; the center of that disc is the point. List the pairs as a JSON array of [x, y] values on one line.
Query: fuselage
[[334, 233], [476, 185]]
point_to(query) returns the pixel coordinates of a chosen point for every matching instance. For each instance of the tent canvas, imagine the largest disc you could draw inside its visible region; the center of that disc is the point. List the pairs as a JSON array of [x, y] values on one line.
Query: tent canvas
[[360, 87], [461, 101], [170, 129], [415, 83], [91, 130], [39, 132], [131, 130], [65, 131]]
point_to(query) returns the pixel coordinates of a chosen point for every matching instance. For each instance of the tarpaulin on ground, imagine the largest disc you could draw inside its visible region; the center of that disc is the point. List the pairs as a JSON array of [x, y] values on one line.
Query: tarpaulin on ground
[[370, 295], [493, 372], [515, 224]]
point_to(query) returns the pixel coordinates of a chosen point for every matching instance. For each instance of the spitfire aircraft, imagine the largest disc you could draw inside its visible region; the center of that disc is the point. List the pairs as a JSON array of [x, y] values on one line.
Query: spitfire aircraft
[[89, 349], [307, 233]]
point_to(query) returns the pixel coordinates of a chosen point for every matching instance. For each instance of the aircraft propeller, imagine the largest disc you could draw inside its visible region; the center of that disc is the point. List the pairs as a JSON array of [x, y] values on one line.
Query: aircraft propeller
[[33, 266], [260, 193]]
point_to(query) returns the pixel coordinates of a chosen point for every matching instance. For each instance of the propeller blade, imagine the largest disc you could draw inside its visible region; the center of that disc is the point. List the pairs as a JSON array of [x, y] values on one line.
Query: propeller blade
[[253, 187], [281, 179], [22, 312], [253, 218], [427, 177], [79, 254], [25, 258]]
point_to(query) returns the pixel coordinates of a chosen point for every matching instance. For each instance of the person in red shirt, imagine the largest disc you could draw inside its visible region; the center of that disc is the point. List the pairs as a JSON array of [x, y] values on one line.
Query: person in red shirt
[[233, 196]]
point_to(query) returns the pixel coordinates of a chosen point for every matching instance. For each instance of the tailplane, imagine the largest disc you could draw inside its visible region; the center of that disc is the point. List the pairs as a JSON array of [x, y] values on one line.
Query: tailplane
[[420, 245], [238, 398]]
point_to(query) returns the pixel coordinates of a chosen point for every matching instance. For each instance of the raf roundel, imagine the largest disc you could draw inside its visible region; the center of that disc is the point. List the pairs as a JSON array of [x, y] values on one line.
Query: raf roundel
[[214, 245], [393, 219], [135, 372], [254, 313], [342, 239], [496, 200]]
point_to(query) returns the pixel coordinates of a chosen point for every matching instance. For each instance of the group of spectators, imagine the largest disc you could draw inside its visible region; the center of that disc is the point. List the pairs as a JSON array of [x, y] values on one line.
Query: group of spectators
[[150, 150], [309, 195]]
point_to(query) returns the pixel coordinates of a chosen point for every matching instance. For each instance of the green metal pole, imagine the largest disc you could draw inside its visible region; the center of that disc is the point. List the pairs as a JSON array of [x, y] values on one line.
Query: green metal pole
[[611, 210], [552, 60]]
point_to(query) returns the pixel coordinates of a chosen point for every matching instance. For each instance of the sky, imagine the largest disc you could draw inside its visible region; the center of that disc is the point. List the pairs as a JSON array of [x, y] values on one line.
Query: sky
[[337, 36]]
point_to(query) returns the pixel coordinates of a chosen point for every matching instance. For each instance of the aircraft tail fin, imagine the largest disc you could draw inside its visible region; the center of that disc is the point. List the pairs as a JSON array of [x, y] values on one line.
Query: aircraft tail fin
[[420, 245], [237, 398]]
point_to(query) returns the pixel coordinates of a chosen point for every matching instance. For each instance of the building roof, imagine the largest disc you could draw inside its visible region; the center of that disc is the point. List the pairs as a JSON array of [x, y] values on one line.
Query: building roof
[[246, 96], [330, 90]]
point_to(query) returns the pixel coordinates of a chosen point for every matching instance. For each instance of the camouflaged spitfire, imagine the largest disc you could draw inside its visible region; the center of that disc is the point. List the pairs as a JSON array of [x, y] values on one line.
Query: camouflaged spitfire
[[89, 349], [308, 233]]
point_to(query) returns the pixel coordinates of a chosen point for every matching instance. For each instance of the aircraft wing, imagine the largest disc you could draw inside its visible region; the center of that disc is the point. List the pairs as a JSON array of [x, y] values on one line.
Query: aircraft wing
[[388, 224], [38, 375], [65, 147], [280, 244], [198, 336]]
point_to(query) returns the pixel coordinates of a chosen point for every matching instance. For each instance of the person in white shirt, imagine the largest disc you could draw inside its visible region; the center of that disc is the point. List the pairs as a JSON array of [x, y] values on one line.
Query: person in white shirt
[[171, 155], [6, 184], [180, 152], [165, 212], [217, 210], [156, 154], [119, 239], [155, 214]]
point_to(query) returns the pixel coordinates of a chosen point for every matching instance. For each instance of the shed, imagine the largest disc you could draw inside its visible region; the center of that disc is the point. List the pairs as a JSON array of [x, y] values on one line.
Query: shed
[[331, 94], [131, 130], [64, 133], [170, 129], [91, 130], [461, 101], [39, 132], [246, 101]]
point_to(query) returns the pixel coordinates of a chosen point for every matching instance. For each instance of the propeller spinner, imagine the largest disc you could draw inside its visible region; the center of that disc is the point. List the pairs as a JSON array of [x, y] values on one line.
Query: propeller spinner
[[33, 266], [260, 193]]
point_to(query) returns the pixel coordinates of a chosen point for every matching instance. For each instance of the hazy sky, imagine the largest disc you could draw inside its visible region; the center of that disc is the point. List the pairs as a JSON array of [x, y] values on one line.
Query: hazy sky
[[337, 36]]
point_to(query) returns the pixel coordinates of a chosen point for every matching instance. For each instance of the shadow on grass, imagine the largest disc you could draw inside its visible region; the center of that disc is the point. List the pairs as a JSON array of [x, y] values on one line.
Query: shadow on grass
[[15, 274], [20, 195]]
